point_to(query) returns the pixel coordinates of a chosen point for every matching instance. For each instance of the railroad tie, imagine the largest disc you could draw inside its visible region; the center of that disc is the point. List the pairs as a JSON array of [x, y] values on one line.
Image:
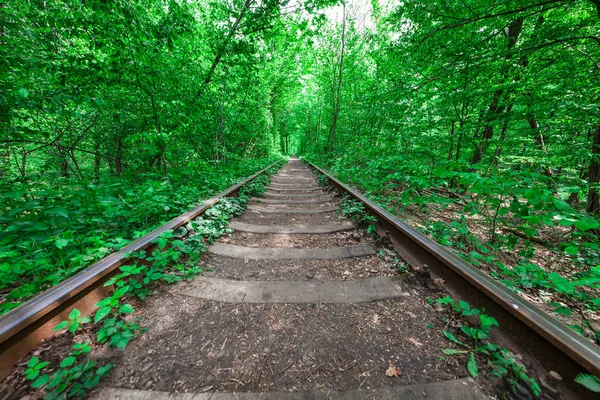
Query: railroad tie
[[292, 210], [291, 196], [296, 189], [284, 201], [331, 292], [457, 389], [278, 253], [295, 229]]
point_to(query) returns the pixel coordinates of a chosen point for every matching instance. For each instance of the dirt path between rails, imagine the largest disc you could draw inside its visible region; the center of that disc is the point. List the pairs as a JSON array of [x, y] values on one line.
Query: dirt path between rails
[[200, 345]]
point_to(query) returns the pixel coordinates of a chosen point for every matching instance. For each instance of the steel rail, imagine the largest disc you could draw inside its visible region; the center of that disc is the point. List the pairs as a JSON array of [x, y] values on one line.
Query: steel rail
[[554, 345], [20, 328]]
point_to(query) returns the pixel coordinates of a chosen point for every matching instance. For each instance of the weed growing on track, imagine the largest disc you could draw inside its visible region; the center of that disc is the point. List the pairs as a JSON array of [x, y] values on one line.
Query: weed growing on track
[[589, 381], [75, 377], [323, 180], [503, 362], [74, 323], [355, 210]]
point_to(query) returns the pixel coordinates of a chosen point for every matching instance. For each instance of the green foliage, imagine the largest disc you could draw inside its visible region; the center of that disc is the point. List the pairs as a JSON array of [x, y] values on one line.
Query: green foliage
[[257, 187], [74, 323], [52, 230], [527, 207], [502, 362], [74, 377], [355, 210], [323, 180], [579, 292], [116, 332], [589, 381], [214, 222], [118, 116], [34, 366]]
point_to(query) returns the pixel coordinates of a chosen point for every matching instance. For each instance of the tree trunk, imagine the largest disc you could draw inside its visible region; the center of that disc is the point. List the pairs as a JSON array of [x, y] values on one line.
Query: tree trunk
[[451, 151], [97, 160], [502, 136], [461, 125], [5, 159], [119, 156], [495, 108], [63, 164], [593, 205]]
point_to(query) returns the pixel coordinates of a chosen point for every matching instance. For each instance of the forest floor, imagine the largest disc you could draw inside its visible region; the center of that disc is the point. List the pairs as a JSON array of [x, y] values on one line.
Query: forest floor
[[544, 255]]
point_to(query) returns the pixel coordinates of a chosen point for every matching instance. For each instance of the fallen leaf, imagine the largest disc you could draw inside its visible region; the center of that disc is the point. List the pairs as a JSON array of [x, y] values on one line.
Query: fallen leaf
[[393, 371], [439, 282], [376, 319], [415, 342]]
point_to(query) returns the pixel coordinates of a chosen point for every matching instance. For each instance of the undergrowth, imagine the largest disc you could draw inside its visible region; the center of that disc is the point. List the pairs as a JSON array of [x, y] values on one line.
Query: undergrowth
[[50, 230], [472, 340], [356, 211]]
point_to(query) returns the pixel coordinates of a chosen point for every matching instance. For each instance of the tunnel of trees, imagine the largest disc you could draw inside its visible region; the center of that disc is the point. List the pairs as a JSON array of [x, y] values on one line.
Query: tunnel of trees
[[476, 121]]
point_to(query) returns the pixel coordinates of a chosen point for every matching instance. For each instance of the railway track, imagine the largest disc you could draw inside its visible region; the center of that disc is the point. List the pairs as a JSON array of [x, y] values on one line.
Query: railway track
[[300, 303]]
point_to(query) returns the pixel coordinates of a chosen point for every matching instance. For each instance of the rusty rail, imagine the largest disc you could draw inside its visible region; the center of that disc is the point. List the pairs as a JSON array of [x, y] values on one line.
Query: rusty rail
[[552, 344], [24, 327]]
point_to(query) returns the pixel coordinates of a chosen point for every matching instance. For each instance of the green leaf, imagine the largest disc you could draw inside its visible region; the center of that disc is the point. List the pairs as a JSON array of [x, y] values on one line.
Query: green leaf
[[104, 369], [102, 335], [61, 326], [74, 314], [33, 374], [40, 381], [589, 381], [61, 243], [67, 362], [120, 292], [486, 320], [101, 313], [156, 275], [121, 343], [571, 250], [42, 365], [586, 224], [561, 205], [104, 302], [472, 366], [452, 338], [562, 310], [33, 362], [126, 309], [162, 243]]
